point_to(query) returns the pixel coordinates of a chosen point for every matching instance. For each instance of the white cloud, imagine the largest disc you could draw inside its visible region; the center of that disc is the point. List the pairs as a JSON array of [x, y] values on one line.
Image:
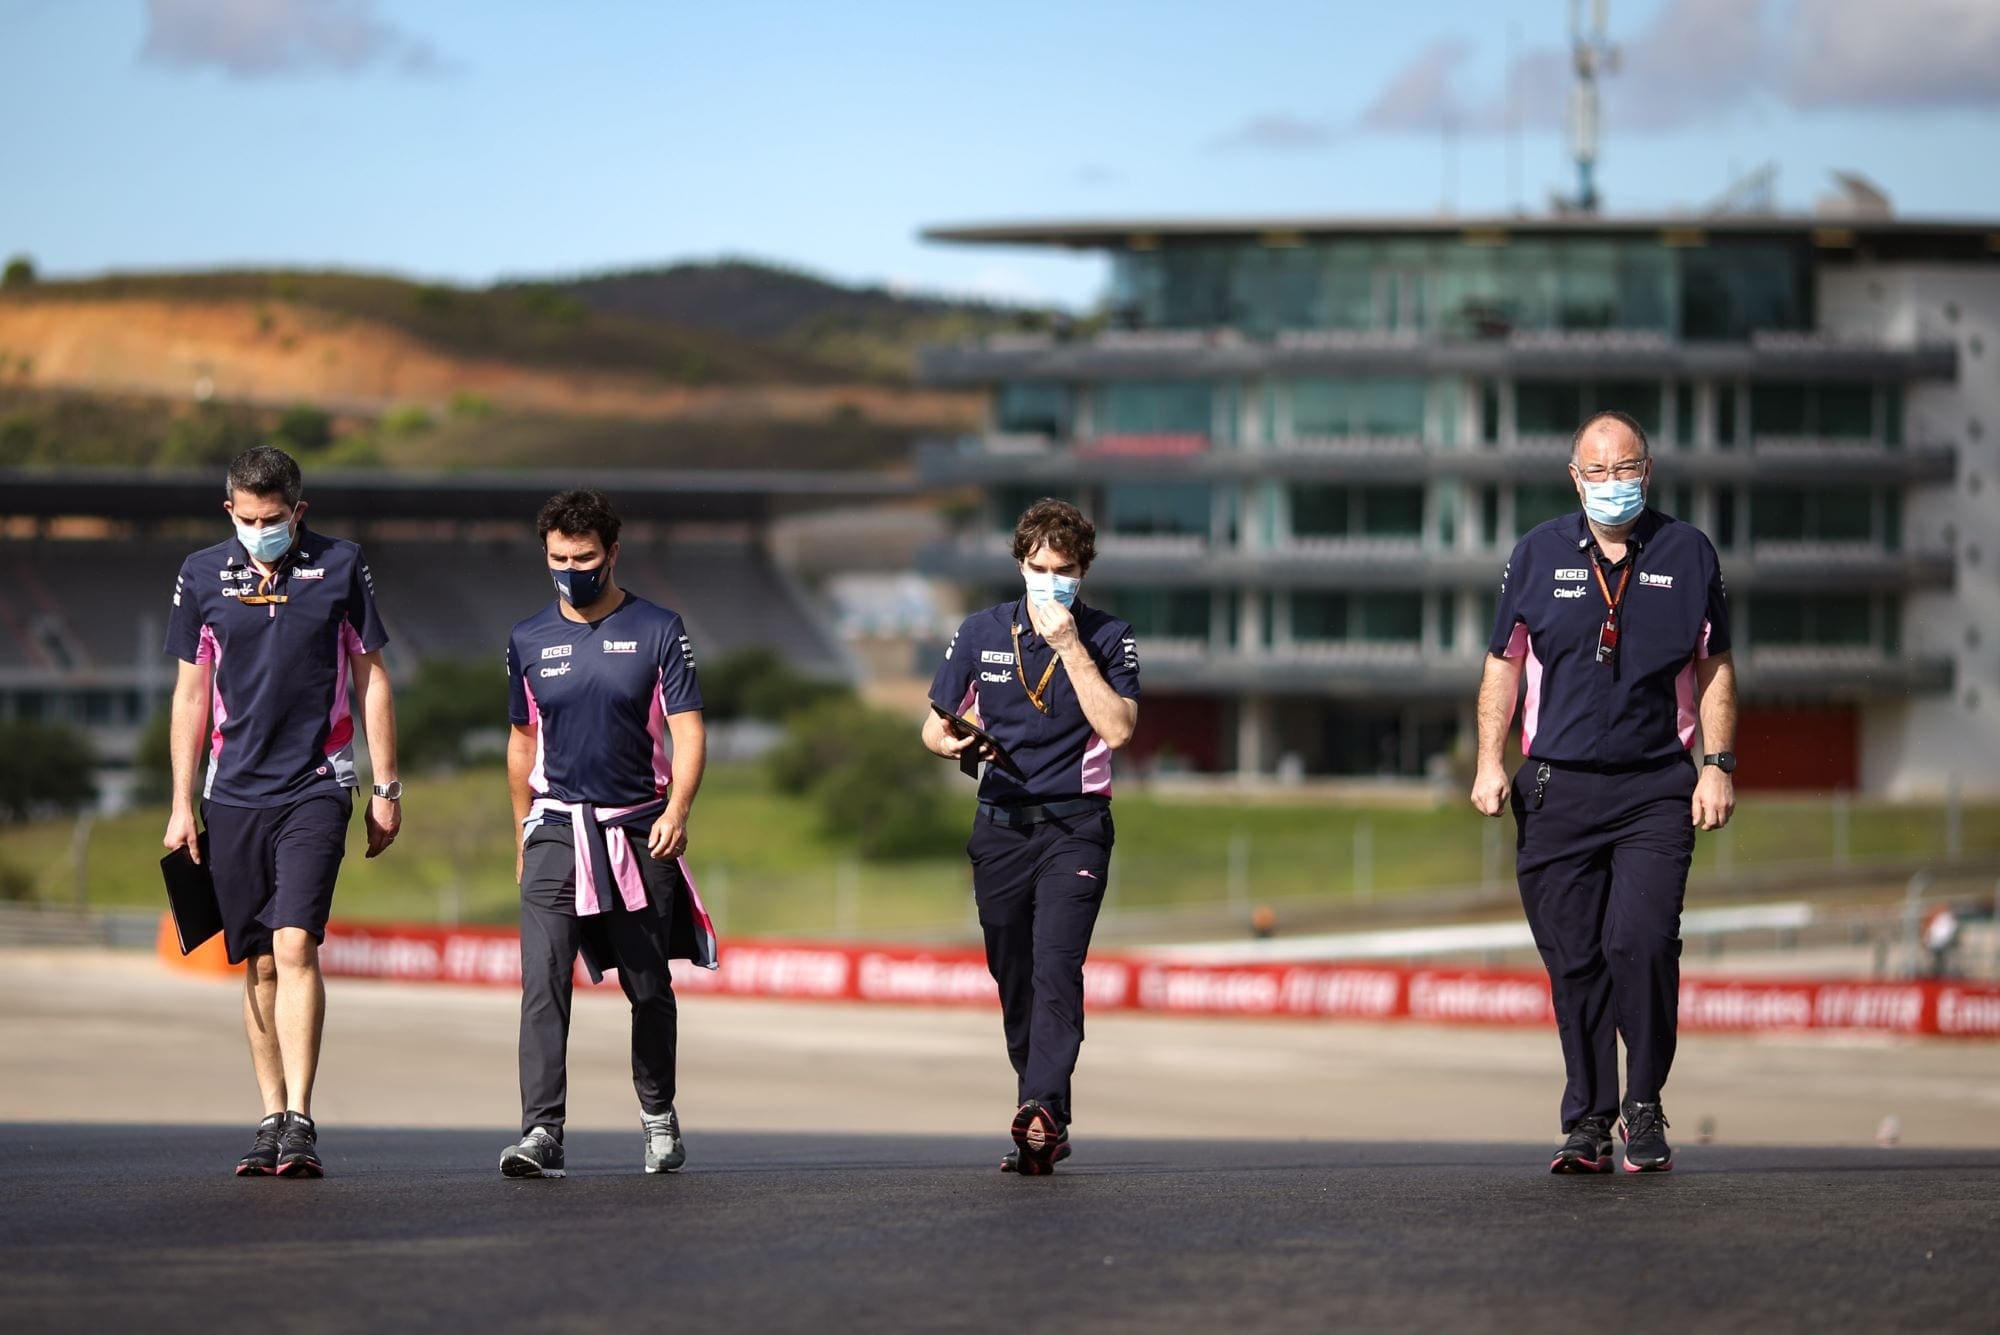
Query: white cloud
[[1424, 94], [1905, 53], [1277, 130], [259, 38]]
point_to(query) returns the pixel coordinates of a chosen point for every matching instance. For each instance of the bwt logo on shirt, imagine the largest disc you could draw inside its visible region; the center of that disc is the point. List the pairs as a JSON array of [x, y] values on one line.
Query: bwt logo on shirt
[[1652, 581], [562, 671], [996, 656], [557, 651], [309, 574], [621, 646]]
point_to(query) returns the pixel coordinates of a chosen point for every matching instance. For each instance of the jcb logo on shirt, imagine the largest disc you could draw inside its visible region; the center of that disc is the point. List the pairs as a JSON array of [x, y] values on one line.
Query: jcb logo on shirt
[[621, 646], [557, 651], [996, 656]]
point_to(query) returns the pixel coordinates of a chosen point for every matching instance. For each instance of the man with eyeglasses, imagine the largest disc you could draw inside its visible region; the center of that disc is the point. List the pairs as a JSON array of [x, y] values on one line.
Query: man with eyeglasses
[[1055, 683], [268, 626], [1617, 617]]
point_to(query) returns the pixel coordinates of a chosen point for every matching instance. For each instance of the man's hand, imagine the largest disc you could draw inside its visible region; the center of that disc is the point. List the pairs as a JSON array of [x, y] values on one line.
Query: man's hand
[[181, 832], [668, 838], [1714, 798], [1053, 623], [955, 744], [1489, 790], [384, 819]]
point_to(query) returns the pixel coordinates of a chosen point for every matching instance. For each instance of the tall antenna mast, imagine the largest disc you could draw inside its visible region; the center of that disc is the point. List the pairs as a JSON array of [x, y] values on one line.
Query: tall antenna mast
[[1594, 55]]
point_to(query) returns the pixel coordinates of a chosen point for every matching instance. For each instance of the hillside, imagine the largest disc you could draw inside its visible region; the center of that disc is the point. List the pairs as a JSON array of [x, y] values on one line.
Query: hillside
[[175, 368]]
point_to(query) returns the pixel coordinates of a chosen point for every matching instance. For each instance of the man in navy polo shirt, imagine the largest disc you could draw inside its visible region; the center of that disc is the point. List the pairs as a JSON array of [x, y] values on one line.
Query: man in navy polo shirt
[[599, 683], [1056, 684], [1618, 620], [267, 626]]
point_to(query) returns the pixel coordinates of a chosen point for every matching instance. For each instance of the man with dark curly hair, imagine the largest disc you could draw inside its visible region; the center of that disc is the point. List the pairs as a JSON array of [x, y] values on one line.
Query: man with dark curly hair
[[1055, 683], [600, 683]]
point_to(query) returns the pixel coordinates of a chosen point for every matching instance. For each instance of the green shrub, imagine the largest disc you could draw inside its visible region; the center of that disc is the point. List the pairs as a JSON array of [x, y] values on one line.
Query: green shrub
[[441, 706], [303, 427], [20, 272], [48, 768], [757, 683], [869, 778]]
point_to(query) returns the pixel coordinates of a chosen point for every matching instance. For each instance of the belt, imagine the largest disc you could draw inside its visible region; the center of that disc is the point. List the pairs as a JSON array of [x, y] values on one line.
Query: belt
[[1039, 813], [1630, 767]]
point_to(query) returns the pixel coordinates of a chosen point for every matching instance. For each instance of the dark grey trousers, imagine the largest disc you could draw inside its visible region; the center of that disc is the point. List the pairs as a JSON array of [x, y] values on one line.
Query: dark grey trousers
[[633, 943]]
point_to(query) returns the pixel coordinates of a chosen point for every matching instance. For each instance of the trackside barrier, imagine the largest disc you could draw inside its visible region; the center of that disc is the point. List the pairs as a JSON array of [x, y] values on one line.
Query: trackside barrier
[[911, 975]]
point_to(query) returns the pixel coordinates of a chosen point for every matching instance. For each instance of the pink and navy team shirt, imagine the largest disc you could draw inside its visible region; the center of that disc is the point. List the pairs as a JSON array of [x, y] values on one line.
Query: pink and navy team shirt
[[1060, 752], [1640, 708], [599, 694], [281, 728]]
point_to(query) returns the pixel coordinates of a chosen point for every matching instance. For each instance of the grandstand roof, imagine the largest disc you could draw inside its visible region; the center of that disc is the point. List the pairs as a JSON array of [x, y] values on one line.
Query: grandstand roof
[[640, 495]]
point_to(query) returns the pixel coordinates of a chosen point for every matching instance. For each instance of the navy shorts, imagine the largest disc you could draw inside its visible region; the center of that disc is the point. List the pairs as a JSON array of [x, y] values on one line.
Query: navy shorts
[[275, 867]]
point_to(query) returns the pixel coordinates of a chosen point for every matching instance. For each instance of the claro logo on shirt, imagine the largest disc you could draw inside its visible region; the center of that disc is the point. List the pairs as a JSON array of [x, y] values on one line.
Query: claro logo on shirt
[[621, 646], [557, 651], [995, 677], [562, 671]]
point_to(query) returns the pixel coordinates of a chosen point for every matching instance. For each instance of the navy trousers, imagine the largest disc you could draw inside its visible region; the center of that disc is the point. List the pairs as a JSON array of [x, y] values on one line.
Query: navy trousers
[[633, 943], [1039, 888], [1602, 863]]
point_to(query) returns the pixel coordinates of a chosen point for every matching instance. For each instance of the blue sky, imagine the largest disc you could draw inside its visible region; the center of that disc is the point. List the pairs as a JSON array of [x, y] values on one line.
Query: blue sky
[[473, 139]]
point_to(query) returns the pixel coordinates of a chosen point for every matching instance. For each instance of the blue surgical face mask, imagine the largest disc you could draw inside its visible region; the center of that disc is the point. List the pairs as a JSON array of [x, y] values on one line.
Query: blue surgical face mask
[[581, 588], [1614, 501], [1044, 588], [264, 544]]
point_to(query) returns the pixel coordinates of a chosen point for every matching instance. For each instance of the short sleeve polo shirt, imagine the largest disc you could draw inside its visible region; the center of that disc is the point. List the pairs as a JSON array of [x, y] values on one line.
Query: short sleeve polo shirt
[[1640, 707], [281, 728], [1059, 751], [598, 695]]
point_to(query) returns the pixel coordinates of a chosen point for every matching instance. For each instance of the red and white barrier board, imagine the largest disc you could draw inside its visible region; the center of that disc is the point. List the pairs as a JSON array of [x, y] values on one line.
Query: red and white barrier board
[[915, 976]]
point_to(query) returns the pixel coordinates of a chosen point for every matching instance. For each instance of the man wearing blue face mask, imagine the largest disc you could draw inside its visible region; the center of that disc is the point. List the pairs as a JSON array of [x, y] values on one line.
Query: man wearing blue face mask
[[603, 763], [268, 627], [1056, 683], [1617, 618]]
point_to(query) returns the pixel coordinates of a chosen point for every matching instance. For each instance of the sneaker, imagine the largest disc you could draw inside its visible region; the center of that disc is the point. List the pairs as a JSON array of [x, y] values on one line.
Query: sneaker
[[664, 1150], [537, 1154], [262, 1160], [1645, 1130], [297, 1155], [1040, 1142], [1588, 1149]]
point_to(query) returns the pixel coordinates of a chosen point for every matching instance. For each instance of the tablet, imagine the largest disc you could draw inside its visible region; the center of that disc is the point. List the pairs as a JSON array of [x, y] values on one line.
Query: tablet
[[967, 762]]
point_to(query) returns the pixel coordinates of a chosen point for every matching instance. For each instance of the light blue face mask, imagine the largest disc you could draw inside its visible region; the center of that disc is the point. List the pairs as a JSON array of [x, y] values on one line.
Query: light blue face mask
[[264, 544], [1614, 501], [1044, 588]]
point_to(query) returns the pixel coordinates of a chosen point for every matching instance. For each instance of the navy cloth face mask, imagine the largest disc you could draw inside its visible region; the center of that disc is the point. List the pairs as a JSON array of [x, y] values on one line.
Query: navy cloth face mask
[[581, 588]]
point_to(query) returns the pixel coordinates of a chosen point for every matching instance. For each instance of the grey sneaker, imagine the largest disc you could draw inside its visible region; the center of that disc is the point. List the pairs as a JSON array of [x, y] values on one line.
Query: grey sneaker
[[537, 1154], [664, 1150]]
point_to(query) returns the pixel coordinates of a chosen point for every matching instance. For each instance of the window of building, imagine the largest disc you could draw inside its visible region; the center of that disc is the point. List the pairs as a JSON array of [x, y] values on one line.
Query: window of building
[[1489, 412], [1166, 614], [1446, 500], [1794, 408], [1390, 407], [1684, 423], [1447, 621], [1892, 416], [1318, 616], [1373, 618], [1157, 509], [1725, 518], [1033, 408], [1547, 407], [1489, 516], [1828, 620], [1155, 407], [1535, 502], [1321, 510], [1726, 424], [1011, 500], [1732, 287], [1812, 514]]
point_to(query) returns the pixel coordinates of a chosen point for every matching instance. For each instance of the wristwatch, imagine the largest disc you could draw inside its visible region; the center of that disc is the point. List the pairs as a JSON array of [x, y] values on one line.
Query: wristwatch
[[1722, 760], [392, 790]]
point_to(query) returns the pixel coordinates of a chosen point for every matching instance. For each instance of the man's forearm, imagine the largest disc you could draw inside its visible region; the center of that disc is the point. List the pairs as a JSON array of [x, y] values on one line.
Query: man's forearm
[[1110, 714], [1718, 704], [1498, 684], [378, 715], [690, 760], [520, 761], [185, 728]]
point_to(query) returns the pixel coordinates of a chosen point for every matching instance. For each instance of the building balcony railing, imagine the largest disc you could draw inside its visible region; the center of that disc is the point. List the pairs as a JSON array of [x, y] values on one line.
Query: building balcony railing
[[1225, 353], [1012, 458]]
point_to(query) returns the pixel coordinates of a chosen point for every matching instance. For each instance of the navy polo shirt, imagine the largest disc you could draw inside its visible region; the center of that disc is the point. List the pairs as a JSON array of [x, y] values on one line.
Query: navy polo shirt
[[1059, 751], [281, 728], [598, 694], [1639, 708]]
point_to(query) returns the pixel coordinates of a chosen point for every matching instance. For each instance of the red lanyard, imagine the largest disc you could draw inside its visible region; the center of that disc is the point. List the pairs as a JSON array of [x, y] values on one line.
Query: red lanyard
[[1607, 634]]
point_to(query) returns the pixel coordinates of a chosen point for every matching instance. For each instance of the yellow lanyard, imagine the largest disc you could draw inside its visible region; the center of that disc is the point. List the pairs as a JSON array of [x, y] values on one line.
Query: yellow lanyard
[[1035, 691]]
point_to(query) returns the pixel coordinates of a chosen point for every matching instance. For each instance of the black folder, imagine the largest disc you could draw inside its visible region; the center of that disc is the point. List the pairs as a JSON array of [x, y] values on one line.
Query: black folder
[[968, 763], [191, 895]]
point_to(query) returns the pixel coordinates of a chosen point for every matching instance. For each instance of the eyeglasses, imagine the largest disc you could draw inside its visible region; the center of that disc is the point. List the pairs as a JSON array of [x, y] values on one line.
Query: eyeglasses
[[1624, 470]]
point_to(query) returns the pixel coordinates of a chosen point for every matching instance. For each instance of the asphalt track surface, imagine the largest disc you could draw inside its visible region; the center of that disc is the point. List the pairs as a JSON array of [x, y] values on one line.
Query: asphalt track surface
[[142, 1228]]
